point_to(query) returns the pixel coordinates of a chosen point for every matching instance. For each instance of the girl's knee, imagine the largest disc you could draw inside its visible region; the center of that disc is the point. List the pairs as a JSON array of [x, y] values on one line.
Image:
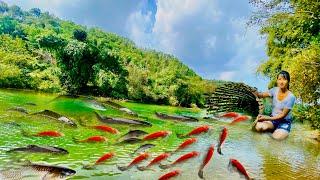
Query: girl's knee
[[280, 134]]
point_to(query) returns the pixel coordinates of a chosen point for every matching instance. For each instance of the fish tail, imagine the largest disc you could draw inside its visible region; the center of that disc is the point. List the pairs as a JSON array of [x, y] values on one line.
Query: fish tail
[[88, 166], [25, 133], [75, 140], [219, 150], [180, 136], [82, 123], [164, 166], [123, 168], [98, 115], [141, 168], [200, 173]]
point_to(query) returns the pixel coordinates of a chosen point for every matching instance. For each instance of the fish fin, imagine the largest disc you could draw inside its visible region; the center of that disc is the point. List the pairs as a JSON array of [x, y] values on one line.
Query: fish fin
[[164, 166], [142, 168], [200, 173], [123, 168]]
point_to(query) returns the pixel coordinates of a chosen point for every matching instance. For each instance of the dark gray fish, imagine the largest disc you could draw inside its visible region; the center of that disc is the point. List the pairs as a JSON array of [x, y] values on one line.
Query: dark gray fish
[[31, 104], [37, 171], [143, 148], [128, 111], [113, 104], [109, 120], [19, 109], [96, 105], [134, 133], [175, 117], [131, 140], [40, 149], [56, 116]]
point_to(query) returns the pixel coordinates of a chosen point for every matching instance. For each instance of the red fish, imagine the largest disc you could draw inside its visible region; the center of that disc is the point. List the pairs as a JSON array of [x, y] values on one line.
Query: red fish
[[196, 131], [49, 133], [206, 161], [93, 139], [186, 143], [137, 160], [104, 157], [156, 135], [170, 175], [106, 129], [235, 163], [181, 159], [155, 161], [230, 115], [223, 136], [239, 119]]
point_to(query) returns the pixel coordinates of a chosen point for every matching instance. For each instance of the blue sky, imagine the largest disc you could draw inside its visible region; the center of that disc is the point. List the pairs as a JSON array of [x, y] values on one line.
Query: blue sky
[[210, 36]]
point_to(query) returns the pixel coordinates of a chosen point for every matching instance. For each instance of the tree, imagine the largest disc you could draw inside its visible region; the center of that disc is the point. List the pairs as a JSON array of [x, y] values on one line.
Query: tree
[[35, 12], [3, 7], [80, 35], [292, 28]]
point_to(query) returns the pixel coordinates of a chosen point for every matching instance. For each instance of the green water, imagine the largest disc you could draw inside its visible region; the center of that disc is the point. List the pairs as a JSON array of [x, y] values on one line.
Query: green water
[[264, 158]]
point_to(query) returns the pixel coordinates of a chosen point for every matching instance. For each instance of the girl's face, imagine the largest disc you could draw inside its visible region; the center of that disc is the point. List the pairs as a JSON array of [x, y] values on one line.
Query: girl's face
[[282, 82]]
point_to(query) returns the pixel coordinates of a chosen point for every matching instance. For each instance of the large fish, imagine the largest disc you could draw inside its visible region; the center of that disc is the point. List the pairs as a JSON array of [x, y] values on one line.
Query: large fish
[[109, 120], [206, 161], [157, 134], [92, 139], [131, 140], [19, 109], [101, 160], [175, 117], [143, 148], [103, 128], [170, 175], [49, 133], [196, 131], [181, 159], [134, 133], [233, 163], [230, 115], [223, 136], [186, 143], [239, 119], [40, 149], [56, 116], [156, 160], [135, 161], [37, 171]]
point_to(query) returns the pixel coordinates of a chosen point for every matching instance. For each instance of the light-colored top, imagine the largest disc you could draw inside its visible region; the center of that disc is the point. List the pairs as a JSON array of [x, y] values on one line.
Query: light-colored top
[[278, 106]]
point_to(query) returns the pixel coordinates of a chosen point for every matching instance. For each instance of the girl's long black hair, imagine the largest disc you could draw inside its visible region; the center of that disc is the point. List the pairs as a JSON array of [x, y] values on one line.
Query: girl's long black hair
[[285, 75]]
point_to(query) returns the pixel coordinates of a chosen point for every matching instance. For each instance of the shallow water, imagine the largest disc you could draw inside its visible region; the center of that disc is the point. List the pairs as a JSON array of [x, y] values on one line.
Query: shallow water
[[264, 158]]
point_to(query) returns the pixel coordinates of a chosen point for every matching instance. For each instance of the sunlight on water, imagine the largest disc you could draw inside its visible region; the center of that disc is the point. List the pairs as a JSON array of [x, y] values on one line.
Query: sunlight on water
[[263, 157]]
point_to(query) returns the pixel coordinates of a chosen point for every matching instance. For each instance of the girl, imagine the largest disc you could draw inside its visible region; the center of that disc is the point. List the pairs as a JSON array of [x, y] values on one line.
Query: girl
[[282, 104]]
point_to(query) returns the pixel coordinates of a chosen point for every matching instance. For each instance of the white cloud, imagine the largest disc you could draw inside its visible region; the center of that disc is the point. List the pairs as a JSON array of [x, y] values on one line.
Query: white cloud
[[227, 75], [168, 31]]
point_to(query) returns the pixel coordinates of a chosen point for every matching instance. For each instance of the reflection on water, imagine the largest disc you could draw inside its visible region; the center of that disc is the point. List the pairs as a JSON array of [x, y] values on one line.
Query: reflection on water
[[263, 157]]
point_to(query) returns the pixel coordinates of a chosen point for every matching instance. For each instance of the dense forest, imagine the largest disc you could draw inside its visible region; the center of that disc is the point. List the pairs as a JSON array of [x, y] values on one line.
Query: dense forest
[[42, 52], [292, 28]]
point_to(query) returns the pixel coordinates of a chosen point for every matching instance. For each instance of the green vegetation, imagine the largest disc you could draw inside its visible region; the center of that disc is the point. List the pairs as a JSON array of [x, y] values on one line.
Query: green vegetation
[[41, 52], [292, 28]]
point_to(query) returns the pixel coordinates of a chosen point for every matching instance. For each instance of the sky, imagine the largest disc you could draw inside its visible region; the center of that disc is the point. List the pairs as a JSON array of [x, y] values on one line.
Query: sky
[[209, 36]]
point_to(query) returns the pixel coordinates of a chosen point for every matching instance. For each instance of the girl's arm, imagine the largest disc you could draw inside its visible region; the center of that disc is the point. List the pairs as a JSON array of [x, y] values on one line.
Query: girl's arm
[[283, 114], [262, 94]]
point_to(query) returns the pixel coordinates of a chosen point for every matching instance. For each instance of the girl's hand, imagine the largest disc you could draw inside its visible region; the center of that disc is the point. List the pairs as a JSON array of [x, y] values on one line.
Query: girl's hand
[[263, 118]]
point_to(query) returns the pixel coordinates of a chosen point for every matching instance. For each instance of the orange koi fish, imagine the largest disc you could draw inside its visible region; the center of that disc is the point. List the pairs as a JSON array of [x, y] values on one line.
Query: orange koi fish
[[134, 162], [235, 163], [239, 119], [223, 136], [155, 161], [156, 135], [230, 115], [181, 159], [49, 133], [206, 161], [170, 175]]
